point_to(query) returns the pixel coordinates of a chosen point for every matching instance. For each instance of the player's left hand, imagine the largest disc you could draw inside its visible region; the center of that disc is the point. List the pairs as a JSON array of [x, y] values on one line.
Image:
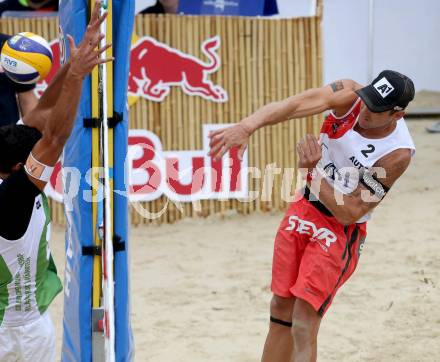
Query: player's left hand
[[309, 151]]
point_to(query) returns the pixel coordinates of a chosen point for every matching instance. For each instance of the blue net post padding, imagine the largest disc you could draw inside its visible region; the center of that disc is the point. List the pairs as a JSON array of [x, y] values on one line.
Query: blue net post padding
[[122, 31], [77, 335]]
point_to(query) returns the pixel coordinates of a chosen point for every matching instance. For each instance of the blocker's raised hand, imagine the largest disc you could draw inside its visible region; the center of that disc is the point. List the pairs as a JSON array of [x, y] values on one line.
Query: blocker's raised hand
[[86, 56], [309, 152]]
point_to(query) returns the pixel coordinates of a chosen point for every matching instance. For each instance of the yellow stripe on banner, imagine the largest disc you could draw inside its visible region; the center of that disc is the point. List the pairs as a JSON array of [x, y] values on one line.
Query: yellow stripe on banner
[[97, 265], [40, 62]]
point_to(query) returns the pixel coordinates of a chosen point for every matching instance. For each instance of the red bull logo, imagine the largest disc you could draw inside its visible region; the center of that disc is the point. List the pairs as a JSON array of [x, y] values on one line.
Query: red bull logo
[[182, 176], [155, 67]]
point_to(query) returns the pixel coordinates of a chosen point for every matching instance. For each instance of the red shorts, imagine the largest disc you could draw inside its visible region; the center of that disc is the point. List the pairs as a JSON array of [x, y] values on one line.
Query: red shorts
[[314, 255]]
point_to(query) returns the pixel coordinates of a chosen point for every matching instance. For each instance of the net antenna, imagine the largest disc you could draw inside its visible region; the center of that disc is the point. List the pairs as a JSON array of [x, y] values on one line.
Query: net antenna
[[103, 315]]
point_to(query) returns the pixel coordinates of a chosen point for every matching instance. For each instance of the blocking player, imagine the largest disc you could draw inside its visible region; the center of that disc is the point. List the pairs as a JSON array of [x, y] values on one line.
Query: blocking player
[[364, 147], [28, 278]]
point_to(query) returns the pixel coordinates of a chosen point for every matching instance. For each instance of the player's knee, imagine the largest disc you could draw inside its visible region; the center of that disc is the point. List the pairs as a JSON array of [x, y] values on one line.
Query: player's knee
[[281, 308], [302, 331], [305, 323]]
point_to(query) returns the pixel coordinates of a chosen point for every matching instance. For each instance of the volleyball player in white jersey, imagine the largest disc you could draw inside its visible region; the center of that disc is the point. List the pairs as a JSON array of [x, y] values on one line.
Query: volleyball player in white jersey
[[28, 278], [364, 148]]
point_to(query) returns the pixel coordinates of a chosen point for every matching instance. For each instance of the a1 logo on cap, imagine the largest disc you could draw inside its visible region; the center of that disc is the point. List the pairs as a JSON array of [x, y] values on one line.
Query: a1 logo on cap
[[383, 87]]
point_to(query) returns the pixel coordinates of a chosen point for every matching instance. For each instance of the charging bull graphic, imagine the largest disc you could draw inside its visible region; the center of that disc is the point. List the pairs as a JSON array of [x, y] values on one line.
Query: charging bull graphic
[[155, 67]]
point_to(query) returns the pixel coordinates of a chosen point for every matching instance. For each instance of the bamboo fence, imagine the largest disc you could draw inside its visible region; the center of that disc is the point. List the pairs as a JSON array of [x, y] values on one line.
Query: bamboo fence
[[263, 60]]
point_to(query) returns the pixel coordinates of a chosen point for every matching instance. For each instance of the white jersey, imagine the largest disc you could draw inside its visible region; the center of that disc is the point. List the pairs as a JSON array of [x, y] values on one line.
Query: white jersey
[[28, 278], [346, 153]]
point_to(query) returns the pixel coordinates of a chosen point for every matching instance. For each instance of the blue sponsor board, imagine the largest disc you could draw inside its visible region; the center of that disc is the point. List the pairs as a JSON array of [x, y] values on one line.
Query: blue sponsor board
[[229, 7]]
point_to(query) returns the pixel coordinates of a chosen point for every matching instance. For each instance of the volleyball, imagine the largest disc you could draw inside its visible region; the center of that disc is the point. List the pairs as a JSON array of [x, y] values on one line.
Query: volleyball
[[26, 58]]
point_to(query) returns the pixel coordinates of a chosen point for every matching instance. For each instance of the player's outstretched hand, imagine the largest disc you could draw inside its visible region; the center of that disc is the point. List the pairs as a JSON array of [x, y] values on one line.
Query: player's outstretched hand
[[309, 151], [86, 56], [222, 140]]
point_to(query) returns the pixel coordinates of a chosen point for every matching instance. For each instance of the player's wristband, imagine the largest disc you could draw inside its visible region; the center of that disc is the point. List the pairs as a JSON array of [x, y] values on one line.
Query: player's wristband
[[309, 175], [38, 170]]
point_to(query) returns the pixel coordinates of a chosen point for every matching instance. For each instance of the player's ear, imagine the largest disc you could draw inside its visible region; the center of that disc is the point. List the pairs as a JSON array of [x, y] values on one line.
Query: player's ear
[[397, 115]]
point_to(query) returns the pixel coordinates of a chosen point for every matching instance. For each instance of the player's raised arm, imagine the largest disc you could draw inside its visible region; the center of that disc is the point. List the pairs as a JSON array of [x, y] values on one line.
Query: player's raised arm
[[60, 116], [37, 117], [338, 96]]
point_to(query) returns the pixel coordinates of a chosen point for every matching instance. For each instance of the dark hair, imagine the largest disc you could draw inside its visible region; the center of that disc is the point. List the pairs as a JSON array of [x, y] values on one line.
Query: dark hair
[[16, 143]]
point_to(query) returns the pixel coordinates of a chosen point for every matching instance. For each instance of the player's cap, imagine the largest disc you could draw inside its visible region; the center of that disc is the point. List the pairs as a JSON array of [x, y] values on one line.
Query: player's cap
[[390, 90]]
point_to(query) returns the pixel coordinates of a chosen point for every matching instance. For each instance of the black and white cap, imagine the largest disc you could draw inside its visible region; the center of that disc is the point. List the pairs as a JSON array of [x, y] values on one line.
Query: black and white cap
[[389, 91]]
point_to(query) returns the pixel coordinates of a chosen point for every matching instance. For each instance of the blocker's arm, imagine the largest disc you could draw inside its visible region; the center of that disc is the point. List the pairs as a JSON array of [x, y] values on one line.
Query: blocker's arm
[[60, 117], [27, 101], [38, 116]]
